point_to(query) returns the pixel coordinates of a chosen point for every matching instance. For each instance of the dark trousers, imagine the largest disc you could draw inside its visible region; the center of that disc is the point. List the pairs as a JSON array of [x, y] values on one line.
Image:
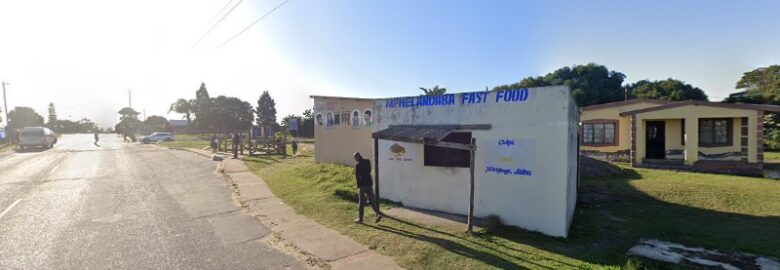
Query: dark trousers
[[366, 192], [235, 149]]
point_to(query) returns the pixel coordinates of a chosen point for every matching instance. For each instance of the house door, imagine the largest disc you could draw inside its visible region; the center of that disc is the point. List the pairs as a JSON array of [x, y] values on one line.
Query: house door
[[655, 143]]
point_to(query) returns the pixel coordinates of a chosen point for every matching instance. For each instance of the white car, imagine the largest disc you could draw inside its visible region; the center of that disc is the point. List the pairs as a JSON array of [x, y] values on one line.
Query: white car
[[157, 137], [36, 137]]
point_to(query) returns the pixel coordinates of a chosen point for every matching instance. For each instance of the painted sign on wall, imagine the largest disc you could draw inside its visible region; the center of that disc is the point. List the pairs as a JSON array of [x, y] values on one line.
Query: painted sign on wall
[[508, 156], [398, 151], [480, 97]]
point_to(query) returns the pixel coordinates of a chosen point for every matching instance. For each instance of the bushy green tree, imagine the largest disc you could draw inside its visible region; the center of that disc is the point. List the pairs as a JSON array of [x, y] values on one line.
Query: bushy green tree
[[232, 114], [669, 89], [266, 110], [203, 109], [21, 117], [155, 123], [762, 82], [590, 84]]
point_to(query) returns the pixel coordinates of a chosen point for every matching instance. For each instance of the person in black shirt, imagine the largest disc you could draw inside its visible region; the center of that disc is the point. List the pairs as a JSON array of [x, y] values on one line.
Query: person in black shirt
[[236, 144], [365, 188]]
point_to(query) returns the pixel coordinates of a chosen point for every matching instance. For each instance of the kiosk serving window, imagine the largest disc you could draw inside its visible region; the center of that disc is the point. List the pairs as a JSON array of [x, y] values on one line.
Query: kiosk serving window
[[449, 157]]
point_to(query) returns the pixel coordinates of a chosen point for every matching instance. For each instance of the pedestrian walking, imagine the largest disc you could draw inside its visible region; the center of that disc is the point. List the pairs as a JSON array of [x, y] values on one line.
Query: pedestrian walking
[[236, 143], [365, 188], [214, 144], [97, 138], [295, 146]]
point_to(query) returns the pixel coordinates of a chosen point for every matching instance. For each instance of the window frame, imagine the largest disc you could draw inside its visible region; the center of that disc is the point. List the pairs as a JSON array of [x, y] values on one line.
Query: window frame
[[713, 143], [604, 122]]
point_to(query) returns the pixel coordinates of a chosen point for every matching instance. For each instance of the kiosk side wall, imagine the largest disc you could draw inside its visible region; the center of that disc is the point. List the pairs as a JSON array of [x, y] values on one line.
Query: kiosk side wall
[[525, 165]]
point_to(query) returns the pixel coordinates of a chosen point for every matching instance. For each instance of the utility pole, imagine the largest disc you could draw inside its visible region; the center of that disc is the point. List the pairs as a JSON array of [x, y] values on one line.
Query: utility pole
[[144, 114], [5, 104], [129, 98]]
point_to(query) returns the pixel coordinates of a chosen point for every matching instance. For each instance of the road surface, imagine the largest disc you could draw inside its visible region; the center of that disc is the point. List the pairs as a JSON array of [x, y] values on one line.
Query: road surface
[[123, 206]]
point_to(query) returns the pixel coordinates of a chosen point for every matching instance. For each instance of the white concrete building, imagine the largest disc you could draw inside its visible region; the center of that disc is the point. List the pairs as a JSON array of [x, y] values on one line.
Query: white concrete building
[[525, 160]]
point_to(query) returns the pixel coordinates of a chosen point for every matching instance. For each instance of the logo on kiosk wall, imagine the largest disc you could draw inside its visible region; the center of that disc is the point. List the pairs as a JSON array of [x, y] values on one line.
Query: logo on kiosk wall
[[509, 157], [400, 152]]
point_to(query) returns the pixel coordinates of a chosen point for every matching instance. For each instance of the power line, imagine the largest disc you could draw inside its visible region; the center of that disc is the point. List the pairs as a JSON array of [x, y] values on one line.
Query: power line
[[220, 11], [253, 23], [217, 23]]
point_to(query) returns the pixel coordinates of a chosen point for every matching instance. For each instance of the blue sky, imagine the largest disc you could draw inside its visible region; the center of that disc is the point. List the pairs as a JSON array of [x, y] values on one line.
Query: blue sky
[[74, 53], [373, 48]]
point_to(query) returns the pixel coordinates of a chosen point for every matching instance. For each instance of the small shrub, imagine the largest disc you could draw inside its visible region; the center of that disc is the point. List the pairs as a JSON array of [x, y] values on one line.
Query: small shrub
[[492, 223]]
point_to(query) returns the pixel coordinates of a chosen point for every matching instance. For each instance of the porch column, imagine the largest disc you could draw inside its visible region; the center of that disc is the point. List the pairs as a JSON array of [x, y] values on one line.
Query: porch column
[[691, 140]]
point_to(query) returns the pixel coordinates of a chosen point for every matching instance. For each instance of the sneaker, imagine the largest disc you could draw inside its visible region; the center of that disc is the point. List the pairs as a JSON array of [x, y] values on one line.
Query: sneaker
[[378, 218], [359, 221]]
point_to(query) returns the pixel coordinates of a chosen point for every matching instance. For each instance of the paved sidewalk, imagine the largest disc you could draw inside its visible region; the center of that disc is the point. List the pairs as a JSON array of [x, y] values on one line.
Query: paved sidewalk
[[328, 245]]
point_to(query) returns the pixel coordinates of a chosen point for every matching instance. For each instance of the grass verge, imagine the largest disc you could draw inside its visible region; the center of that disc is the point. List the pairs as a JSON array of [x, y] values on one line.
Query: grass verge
[[188, 141], [713, 211]]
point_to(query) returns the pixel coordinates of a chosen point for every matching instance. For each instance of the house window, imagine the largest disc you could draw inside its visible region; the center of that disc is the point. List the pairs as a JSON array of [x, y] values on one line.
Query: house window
[[449, 157], [599, 132], [715, 132]]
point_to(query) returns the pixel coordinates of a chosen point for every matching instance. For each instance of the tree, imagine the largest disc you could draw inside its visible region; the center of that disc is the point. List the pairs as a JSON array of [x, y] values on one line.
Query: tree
[[232, 114], [308, 114], [21, 117], [155, 123], [590, 84], [763, 82], [184, 107], [669, 89], [435, 91], [203, 108], [266, 110], [127, 113], [129, 123], [52, 121]]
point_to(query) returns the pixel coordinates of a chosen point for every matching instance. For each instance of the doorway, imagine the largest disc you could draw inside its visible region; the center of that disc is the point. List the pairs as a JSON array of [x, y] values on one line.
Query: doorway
[[655, 141]]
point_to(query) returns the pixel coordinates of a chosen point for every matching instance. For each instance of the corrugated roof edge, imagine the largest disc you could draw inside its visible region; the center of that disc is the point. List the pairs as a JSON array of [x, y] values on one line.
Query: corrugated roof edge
[[353, 98]]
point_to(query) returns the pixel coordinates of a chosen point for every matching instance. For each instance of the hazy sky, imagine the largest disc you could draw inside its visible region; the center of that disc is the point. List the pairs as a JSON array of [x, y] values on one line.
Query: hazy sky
[[84, 55]]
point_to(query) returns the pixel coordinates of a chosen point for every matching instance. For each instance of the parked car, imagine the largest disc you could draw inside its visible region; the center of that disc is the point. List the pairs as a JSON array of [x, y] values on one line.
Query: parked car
[[157, 137], [36, 137]]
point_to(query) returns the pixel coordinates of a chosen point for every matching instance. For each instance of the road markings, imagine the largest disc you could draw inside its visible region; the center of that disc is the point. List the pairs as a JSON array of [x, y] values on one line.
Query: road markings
[[9, 208]]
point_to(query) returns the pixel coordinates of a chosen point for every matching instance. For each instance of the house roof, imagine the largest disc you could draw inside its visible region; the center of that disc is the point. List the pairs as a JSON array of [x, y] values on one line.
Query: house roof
[[178, 123], [623, 103], [743, 106]]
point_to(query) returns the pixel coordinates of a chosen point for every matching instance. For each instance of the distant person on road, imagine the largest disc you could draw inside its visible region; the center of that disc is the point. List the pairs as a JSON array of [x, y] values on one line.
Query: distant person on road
[[365, 187], [97, 138], [236, 143]]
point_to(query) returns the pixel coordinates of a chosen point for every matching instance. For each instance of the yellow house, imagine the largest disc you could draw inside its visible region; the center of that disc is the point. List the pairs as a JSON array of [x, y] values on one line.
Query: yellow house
[[692, 135]]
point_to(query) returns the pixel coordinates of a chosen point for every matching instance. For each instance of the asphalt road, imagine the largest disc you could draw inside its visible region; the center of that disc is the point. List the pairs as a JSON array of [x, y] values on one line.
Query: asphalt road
[[123, 206]]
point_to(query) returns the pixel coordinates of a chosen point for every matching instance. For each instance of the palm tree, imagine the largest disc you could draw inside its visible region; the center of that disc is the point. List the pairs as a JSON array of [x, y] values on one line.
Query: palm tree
[[435, 91], [184, 107]]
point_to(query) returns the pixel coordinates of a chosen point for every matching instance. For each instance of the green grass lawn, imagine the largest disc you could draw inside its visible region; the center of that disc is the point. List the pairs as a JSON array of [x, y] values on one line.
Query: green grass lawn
[[714, 211], [188, 141]]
